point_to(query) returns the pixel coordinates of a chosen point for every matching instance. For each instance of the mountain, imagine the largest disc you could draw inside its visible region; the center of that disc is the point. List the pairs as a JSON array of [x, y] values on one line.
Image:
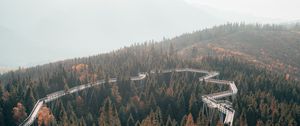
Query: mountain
[[275, 48], [43, 30], [5, 69], [265, 95]]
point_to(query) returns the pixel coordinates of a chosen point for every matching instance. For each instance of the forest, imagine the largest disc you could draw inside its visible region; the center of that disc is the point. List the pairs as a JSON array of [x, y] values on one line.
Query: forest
[[265, 97]]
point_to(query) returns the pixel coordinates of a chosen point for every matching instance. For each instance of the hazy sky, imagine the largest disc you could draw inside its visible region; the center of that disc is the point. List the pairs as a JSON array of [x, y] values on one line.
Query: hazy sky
[[285, 10], [39, 31]]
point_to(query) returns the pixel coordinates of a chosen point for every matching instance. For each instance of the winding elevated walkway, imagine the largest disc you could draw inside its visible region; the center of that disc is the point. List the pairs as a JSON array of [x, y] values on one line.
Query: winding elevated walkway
[[211, 99]]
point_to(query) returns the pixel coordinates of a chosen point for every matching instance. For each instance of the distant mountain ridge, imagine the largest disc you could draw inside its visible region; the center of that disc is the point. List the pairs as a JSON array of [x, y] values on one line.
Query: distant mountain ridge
[[45, 31], [275, 47], [6, 69]]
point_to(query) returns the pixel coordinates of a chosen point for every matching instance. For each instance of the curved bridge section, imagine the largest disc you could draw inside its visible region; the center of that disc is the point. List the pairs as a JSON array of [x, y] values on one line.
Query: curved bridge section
[[211, 99]]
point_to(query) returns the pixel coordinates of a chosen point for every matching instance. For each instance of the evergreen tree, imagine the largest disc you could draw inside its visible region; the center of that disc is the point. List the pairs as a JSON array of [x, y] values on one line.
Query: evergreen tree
[[29, 99], [130, 120]]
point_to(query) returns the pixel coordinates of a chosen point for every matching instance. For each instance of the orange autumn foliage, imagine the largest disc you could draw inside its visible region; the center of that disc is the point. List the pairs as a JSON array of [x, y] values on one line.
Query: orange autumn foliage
[[190, 120], [82, 70], [115, 92], [135, 99], [79, 101], [79, 67], [45, 116], [170, 91], [5, 96], [287, 76], [19, 112]]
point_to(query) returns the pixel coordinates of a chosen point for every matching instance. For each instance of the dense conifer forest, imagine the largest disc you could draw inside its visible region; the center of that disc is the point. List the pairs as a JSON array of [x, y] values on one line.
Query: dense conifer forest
[[265, 97]]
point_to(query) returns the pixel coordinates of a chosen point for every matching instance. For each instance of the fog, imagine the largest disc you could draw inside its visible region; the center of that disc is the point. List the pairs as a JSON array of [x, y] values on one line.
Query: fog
[[39, 31], [283, 10]]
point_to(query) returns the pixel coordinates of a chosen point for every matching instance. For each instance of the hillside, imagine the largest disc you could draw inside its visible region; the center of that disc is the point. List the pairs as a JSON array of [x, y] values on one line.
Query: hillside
[[275, 48], [264, 97]]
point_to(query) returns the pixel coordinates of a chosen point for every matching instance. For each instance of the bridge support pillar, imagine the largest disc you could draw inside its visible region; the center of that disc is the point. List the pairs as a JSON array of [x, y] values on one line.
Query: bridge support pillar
[[211, 115], [221, 117]]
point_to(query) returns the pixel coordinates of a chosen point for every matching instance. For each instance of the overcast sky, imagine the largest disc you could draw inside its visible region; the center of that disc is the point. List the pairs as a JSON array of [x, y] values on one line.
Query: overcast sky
[[39, 31], [285, 10]]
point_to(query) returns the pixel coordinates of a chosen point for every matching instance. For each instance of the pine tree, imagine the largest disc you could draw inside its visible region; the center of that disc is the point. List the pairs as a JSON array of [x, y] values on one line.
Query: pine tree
[[169, 121], [189, 120], [158, 115], [191, 101], [219, 123], [101, 120], [89, 119], [243, 121], [29, 99], [183, 120], [202, 119], [109, 115], [82, 122], [260, 123], [1, 91], [115, 117], [130, 120]]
